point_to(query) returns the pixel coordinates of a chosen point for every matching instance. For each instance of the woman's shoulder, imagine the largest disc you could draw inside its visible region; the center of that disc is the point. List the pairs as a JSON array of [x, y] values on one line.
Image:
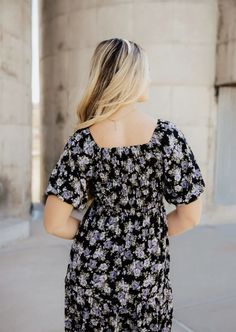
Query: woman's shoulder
[[80, 140], [171, 136], [168, 125], [80, 136], [170, 129]]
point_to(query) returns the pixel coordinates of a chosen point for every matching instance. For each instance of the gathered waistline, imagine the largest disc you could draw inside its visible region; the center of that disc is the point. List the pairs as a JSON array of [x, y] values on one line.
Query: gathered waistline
[[127, 210]]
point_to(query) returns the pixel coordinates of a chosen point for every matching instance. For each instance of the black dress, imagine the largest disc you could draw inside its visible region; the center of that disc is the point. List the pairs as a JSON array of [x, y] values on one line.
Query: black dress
[[118, 276]]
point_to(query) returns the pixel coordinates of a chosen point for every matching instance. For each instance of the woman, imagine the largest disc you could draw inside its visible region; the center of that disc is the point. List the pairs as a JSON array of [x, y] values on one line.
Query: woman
[[123, 162]]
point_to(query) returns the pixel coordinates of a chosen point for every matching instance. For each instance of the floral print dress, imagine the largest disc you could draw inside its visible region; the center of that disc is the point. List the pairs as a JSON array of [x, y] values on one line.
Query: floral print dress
[[118, 274]]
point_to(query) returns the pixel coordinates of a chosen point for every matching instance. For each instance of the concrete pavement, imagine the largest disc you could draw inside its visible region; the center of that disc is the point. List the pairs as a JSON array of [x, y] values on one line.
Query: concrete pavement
[[203, 274]]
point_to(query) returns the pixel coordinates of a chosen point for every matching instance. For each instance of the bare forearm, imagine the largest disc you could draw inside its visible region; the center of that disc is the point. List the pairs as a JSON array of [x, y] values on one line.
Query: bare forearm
[[69, 230], [177, 225]]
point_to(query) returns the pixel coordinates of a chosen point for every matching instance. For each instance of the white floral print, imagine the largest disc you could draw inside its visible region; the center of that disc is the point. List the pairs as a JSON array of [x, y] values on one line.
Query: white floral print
[[118, 274]]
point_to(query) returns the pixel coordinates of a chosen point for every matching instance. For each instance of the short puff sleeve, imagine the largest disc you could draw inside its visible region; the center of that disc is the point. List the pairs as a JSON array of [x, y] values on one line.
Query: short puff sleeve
[[182, 178], [68, 179]]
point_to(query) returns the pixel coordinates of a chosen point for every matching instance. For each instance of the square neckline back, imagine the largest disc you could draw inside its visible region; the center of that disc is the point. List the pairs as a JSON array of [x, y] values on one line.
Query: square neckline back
[[124, 147]]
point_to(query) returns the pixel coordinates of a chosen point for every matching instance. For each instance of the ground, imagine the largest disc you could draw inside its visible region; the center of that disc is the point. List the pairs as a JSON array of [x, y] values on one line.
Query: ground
[[203, 274]]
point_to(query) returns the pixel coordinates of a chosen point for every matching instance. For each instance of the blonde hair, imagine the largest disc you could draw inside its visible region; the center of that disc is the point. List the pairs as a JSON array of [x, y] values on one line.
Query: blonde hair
[[119, 73]]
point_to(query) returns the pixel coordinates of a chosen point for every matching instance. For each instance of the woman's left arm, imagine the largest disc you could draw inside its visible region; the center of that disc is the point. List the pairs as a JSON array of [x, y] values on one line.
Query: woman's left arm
[[58, 220]]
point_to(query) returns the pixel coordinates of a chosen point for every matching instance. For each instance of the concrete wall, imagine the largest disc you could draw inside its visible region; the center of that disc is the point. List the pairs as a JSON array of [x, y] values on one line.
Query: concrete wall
[[225, 165], [68, 32], [226, 45], [15, 108], [180, 38], [225, 162]]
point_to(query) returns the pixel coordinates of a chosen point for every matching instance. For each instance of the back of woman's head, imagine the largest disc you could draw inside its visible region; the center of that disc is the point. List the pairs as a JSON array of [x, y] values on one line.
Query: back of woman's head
[[119, 74]]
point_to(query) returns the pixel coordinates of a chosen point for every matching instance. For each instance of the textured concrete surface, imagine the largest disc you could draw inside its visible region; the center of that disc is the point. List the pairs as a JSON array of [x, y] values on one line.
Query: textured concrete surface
[[203, 274], [15, 109], [180, 39]]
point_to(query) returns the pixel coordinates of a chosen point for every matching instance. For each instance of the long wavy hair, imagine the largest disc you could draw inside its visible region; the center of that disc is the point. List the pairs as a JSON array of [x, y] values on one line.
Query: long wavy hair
[[119, 74]]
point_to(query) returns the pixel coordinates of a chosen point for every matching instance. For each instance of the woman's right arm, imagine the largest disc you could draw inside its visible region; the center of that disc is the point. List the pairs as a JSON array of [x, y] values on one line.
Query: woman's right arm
[[184, 217], [183, 182]]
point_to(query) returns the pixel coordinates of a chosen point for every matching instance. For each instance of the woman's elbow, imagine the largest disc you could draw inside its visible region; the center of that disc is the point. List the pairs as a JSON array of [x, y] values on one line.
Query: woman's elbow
[[196, 222], [56, 214], [47, 225], [191, 212]]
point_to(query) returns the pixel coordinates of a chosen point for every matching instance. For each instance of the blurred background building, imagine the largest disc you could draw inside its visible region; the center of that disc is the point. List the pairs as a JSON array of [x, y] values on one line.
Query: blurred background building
[[191, 46]]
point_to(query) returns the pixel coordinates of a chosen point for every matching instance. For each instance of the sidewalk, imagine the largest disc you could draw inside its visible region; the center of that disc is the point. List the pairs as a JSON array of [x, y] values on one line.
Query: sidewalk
[[203, 274]]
